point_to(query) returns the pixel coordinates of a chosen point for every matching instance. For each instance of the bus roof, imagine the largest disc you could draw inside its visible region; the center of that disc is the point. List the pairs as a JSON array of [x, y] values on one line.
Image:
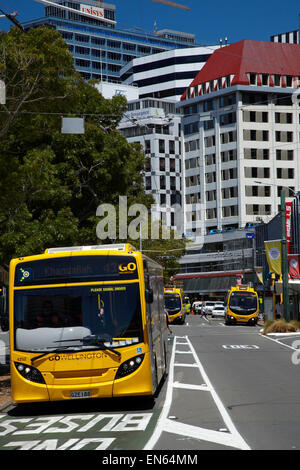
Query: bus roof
[[126, 247], [242, 287], [173, 290]]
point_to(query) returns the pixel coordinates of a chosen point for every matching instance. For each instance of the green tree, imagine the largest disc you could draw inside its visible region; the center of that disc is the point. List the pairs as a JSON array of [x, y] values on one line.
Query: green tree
[[51, 183]]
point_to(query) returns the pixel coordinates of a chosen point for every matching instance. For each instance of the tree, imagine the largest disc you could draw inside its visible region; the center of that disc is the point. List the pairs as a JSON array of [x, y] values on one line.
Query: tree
[[50, 183]]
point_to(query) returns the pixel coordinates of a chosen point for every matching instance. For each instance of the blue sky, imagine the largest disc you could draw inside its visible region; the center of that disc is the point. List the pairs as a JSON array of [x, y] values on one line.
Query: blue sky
[[208, 20]]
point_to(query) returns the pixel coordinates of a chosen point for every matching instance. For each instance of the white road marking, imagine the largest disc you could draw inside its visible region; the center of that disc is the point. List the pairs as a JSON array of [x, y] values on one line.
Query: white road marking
[[231, 438], [278, 342]]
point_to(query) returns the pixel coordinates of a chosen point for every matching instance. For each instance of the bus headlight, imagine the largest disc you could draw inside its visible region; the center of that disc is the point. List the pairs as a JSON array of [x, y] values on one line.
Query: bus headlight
[[29, 373], [129, 366]]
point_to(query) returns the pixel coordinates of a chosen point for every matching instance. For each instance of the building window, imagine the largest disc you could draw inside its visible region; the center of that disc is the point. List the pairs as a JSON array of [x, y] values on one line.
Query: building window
[[162, 182], [82, 50], [256, 135], [171, 147], [284, 154], [82, 38], [148, 182], [161, 146], [285, 173], [252, 78], [82, 63], [283, 136], [257, 172]]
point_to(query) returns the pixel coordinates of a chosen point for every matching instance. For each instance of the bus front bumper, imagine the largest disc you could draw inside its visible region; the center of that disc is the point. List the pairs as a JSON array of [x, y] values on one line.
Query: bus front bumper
[[249, 319], [80, 384]]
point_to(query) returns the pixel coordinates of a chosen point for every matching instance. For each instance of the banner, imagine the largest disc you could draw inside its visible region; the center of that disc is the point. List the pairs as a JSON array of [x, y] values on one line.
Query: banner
[[288, 225], [294, 266], [273, 254], [259, 274]]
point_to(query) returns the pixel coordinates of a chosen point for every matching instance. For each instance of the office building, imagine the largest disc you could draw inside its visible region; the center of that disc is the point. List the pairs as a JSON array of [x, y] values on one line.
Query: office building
[[240, 119], [99, 46], [154, 124], [166, 74]]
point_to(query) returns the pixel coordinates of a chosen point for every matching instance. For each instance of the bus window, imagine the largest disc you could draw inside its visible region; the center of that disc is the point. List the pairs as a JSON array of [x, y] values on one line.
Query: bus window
[[47, 317]]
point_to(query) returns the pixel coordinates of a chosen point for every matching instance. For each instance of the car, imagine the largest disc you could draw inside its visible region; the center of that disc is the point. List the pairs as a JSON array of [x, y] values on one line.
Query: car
[[219, 302], [196, 307], [207, 307], [218, 311]]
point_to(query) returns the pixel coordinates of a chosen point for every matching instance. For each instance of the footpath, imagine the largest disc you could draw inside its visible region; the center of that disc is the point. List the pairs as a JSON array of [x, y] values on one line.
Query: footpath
[[5, 394]]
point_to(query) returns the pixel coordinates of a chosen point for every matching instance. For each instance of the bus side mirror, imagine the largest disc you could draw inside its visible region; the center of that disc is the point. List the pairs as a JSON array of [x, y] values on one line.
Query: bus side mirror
[[149, 296]]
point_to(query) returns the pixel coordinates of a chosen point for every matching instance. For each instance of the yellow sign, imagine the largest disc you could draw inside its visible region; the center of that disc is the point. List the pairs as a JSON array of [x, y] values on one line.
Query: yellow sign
[[130, 267], [273, 254], [259, 274]]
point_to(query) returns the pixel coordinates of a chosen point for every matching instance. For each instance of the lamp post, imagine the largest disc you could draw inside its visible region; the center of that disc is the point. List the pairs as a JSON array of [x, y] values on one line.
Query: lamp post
[[12, 18], [284, 261]]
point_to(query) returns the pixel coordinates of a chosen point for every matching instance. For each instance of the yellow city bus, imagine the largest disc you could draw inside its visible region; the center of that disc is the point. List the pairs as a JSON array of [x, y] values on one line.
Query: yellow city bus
[[174, 304], [242, 305], [86, 322]]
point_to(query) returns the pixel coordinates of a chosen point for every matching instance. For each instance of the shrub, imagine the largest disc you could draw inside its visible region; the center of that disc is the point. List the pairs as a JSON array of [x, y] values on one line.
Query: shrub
[[279, 326]]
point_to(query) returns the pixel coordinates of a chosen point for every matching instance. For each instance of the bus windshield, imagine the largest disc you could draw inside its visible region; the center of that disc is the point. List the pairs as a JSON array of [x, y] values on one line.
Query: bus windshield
[[56, 317], [172, 303], [243, 303]]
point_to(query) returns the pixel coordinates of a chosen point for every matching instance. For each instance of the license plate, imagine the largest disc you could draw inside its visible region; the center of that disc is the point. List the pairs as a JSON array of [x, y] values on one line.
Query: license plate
[[81, 394]]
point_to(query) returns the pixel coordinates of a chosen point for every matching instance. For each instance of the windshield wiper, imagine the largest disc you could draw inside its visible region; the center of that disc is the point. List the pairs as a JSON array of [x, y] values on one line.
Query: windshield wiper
[[57, 350], [94, 340]]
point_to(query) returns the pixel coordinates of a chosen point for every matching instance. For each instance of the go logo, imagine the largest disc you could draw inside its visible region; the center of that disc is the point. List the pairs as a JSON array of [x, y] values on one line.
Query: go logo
[[129, 268]]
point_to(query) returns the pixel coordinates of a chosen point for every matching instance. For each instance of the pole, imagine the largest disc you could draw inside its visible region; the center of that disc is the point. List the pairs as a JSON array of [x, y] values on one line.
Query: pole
[[284, 261]]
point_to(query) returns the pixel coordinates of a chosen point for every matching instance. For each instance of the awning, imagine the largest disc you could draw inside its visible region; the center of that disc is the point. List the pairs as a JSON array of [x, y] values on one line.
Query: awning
[[207, 285]]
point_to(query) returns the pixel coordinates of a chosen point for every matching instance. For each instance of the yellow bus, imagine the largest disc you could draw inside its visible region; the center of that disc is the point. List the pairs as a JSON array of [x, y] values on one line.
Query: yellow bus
[[86, 322], [242, 305], [174, 304]]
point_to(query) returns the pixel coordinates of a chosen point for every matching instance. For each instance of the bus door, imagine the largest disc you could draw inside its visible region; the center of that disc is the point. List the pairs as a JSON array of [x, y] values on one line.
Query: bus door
[[150, 318]]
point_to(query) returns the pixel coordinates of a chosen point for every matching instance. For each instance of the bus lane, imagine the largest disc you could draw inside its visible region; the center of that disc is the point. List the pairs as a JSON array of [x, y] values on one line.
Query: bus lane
[[257, 380], [121, 425]]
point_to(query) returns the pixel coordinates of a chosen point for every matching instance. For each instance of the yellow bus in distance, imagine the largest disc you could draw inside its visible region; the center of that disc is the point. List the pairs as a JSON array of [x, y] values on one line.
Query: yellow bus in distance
[[174, 304], [242, 305], [86, 322]]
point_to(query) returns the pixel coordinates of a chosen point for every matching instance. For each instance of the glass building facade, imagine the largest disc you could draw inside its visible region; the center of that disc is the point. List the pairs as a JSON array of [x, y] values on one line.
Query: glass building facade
[[99, 47]]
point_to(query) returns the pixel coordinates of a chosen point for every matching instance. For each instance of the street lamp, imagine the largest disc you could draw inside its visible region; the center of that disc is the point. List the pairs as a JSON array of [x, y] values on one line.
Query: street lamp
[[12, 18]]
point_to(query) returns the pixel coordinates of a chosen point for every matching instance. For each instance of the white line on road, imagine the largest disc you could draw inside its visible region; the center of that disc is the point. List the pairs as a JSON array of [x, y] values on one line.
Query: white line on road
[[231, 438]]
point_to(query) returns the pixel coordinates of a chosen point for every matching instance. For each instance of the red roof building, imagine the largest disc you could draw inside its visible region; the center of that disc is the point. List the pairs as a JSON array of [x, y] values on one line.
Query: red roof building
[[248, 62], [241, 131]]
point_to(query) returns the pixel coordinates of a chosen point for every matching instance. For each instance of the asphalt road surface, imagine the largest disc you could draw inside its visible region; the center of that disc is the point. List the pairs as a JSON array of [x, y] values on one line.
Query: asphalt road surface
[[228, 387]]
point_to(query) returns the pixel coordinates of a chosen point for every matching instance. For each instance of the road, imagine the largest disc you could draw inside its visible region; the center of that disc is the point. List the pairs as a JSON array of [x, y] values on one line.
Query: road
[[228, 387]]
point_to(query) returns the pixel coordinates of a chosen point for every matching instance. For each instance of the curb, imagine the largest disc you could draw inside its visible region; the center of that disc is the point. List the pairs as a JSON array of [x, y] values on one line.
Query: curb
[[5, 382]]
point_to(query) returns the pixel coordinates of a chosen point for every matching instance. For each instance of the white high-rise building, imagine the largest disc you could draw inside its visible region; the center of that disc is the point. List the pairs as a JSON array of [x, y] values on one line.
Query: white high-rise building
[[154, 124], [166, 74], [241, 126]]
